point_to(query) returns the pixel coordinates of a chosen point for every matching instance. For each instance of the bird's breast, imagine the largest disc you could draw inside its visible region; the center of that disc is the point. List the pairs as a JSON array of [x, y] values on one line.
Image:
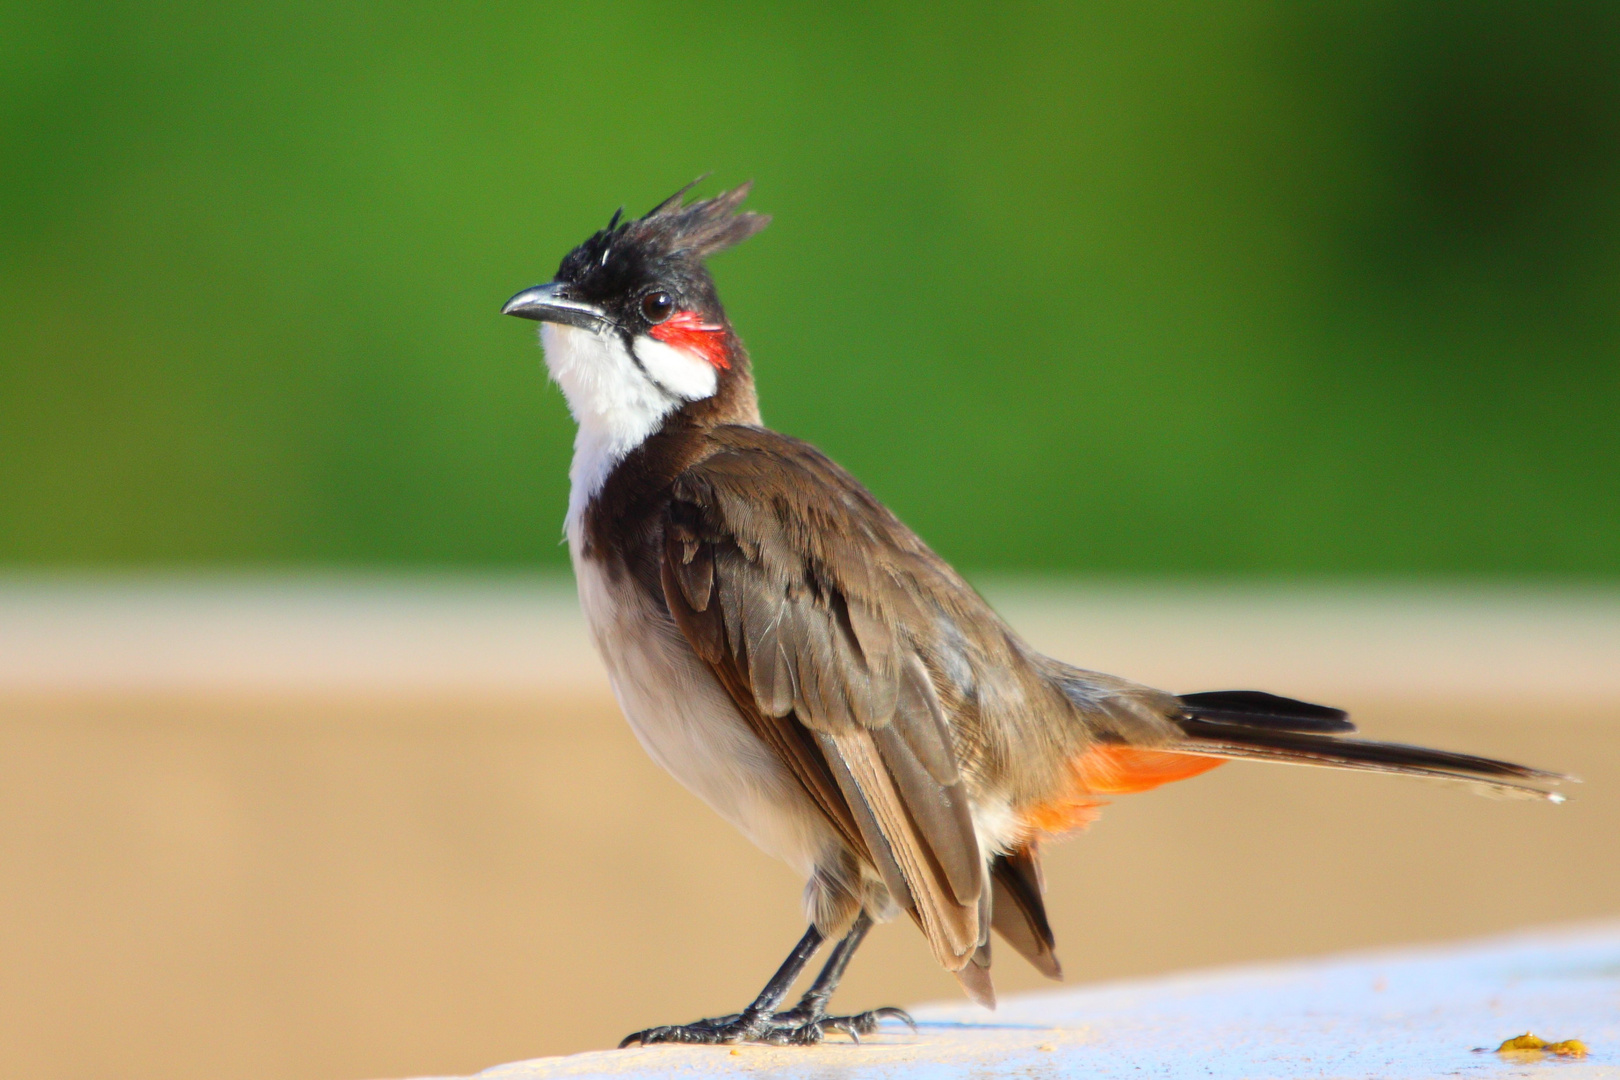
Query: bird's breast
[[684, 719]]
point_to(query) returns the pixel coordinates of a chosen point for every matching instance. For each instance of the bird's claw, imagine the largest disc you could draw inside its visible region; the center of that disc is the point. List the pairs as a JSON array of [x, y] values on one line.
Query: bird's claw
[[793, 1028]]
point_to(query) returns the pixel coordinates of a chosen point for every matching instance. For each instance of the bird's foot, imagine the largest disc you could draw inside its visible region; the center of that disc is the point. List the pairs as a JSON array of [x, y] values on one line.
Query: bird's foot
[[813, 1025], [796, 1027]]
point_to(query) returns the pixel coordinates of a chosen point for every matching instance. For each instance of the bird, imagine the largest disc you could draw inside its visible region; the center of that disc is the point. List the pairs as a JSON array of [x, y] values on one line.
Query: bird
[[805, 664]]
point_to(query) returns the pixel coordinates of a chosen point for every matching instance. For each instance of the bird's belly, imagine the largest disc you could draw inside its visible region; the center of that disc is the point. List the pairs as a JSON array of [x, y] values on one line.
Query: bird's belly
[[687, 723]]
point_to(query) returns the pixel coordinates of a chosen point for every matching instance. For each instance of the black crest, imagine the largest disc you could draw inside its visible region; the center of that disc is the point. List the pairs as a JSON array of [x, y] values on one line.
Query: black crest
[[698, 229], [663, 250]]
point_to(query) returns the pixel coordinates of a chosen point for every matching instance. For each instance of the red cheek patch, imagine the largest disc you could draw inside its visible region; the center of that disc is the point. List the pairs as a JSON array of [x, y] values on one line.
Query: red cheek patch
[[687, 330]]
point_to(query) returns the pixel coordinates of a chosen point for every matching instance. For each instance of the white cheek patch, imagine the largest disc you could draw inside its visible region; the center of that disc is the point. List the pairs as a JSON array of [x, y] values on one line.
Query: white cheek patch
[[681, 372], [604, 388], [617, 399]]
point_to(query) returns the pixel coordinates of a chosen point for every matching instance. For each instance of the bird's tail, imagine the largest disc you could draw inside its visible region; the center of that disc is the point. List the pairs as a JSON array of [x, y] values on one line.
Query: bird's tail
[[1255, 726], [1137, 754]]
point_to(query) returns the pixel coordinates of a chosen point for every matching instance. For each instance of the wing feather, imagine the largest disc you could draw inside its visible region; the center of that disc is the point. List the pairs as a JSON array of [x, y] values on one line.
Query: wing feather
[[792, 585], [951, 926]]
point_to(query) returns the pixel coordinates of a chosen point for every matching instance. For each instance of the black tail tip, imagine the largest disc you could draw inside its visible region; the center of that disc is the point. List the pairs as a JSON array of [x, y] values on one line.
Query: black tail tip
[[1258, 709]]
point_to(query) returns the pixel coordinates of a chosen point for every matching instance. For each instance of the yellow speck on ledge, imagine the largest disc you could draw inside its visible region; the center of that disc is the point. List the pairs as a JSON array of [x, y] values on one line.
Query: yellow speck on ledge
[[1567, 1048], [1527, 1041]]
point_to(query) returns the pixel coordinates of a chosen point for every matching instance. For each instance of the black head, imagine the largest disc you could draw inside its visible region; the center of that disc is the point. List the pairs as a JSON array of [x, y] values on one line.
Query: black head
[[636, 276]]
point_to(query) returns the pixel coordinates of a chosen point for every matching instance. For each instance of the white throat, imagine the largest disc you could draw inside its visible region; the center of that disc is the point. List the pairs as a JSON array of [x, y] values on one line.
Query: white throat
[[617, 399]]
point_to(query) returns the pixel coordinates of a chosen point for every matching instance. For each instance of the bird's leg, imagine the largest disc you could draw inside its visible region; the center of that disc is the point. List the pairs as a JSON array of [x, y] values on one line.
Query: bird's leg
[[753, 1024], [814, 1001], [804, 1024], [811, 1011]]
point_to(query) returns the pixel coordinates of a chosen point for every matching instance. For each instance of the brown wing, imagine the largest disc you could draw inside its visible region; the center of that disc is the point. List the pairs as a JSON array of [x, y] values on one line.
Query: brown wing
[[797, 588]]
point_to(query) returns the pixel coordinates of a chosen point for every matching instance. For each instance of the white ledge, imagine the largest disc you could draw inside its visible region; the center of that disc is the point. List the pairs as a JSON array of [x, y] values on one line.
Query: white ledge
[[1392, 1015]]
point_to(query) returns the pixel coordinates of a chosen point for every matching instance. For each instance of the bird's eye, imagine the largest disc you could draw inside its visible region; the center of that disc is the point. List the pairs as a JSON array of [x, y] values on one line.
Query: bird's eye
[[657, 306]]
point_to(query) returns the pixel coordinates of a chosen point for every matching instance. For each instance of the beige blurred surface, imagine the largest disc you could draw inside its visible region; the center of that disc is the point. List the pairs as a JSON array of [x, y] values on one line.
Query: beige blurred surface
[[429, 873]]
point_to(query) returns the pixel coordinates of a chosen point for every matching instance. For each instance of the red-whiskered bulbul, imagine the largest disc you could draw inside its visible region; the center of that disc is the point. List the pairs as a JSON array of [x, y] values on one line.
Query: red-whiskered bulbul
[[800, 660]]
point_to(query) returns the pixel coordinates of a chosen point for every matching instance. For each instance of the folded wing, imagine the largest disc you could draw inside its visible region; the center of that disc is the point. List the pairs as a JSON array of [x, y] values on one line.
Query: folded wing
[[795, 586]]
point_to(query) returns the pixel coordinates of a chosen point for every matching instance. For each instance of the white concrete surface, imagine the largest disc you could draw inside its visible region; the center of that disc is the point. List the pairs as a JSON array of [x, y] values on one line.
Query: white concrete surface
[[1393, 1016], [523, 635]]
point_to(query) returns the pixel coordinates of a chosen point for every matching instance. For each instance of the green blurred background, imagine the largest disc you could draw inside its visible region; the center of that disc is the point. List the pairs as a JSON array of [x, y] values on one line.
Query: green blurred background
[[1177, 288]]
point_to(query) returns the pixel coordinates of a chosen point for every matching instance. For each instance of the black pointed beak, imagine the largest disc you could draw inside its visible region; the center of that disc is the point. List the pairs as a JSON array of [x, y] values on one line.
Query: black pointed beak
[[551, 303]]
